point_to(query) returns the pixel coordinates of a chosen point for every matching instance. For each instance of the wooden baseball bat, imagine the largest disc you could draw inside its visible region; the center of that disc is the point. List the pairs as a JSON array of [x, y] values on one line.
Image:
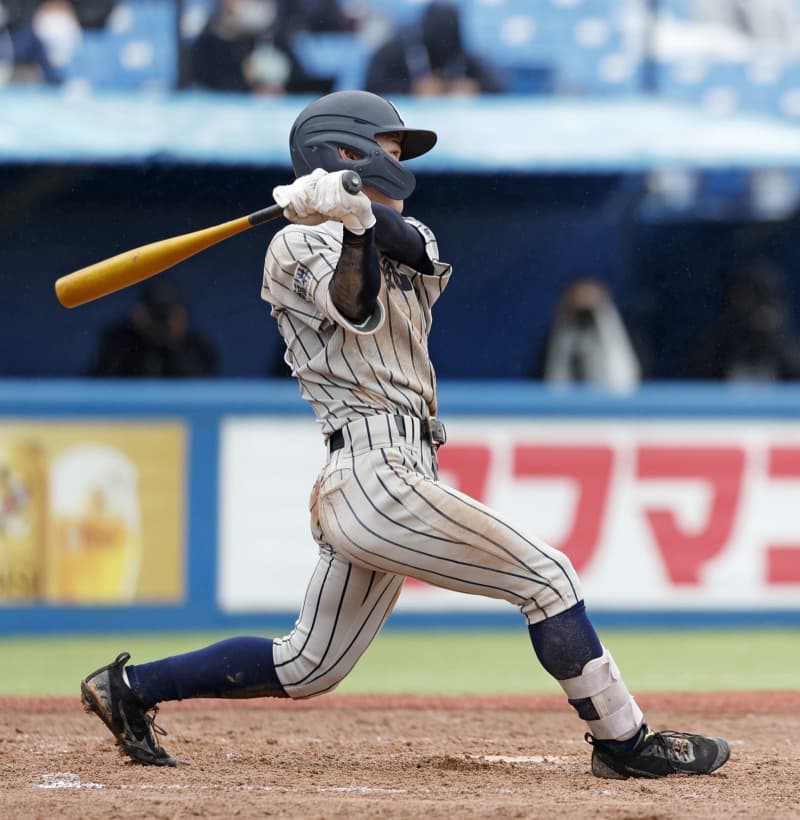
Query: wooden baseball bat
[[136, 265]]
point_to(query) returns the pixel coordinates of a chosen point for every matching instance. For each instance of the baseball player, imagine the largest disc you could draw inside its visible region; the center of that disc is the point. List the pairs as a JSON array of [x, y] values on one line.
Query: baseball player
[[352, 284]]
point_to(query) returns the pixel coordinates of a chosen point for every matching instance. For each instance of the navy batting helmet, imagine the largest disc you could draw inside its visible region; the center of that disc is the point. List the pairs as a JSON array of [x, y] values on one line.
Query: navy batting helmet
[[351, 119]]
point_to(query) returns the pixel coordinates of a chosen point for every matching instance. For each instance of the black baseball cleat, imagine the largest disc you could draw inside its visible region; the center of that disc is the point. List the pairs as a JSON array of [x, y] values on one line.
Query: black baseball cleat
[[659, 754], [132, 722]]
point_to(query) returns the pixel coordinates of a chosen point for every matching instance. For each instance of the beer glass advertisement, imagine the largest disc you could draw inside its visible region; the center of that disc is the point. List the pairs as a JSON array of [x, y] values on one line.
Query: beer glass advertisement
[[92, 513]]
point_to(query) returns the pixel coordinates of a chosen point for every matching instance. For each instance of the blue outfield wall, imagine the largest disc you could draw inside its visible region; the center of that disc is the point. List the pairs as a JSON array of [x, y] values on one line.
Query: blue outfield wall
[[538, 205], [202, 406]]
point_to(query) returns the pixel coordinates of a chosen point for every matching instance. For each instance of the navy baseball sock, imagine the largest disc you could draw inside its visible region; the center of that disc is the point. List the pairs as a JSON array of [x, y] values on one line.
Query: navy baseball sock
[[564, 644], [234, 668]]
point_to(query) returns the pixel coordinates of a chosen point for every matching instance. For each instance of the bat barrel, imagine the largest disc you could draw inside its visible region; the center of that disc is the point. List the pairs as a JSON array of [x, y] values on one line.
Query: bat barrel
[[138, 264], [133, 266]]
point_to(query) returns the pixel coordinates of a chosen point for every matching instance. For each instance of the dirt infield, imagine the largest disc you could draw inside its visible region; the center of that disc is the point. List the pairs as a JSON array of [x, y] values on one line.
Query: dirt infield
[[373, 757]]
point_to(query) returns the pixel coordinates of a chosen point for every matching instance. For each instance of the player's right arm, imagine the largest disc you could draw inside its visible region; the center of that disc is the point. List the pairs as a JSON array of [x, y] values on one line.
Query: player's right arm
[[351, 292], [367, 229], [356, 281], [304, 273]]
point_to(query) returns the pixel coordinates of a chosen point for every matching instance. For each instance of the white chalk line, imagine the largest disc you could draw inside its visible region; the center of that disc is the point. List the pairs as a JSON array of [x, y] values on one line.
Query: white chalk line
[[522, 759], [69, 780], [65, 780]]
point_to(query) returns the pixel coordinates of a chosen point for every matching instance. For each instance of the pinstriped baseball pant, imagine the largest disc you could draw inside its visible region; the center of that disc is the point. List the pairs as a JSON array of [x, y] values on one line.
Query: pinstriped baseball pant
[[379, 515]]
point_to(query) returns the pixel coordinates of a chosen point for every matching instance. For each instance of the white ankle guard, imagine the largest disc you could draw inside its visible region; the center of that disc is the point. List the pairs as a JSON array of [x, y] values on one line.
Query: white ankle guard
[[601, 682]]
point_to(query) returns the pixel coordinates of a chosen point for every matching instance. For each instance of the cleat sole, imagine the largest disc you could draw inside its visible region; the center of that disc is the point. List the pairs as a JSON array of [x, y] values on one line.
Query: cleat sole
[[91, 706]]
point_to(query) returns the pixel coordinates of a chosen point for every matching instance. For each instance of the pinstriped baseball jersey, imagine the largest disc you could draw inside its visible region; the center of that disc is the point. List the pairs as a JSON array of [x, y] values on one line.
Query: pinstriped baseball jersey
[[347, 371], [378, 511]]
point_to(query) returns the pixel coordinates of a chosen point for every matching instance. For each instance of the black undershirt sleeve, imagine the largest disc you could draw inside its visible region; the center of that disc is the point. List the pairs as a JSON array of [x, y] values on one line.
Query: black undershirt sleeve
[[357, 278], [399, 240]]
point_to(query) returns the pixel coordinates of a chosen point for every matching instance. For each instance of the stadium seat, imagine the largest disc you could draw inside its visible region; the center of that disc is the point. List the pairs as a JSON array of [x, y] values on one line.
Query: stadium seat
[[194, 16], [786, 101], [506, 33], [334, 54], [753, 86], [716, 86], [137, 50], [582, 42], [398, 12], [677, 8], [724, 75]]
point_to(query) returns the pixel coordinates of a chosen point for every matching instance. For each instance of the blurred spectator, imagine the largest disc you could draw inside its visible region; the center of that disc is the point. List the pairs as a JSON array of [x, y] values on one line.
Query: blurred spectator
[[155, 341], [767, 21], [587, 342], [23, 57], [93, 13], [39, 37], [312, 15], [244, 48], [56, 24], [90, 13], [753, 339], [728, 31], [19, 12], [430, 59]]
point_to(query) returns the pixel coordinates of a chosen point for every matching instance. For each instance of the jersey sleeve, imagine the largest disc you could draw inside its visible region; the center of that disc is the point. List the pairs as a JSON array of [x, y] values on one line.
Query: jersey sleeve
[[429, 286], [298, 269]]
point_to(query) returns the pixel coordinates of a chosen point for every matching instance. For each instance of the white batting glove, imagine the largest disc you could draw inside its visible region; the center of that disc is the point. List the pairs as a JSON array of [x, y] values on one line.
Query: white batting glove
[[296, 199], [353, 210]]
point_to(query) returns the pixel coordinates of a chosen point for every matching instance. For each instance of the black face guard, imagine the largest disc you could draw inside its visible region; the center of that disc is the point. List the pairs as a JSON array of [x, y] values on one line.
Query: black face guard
[[376, 168]]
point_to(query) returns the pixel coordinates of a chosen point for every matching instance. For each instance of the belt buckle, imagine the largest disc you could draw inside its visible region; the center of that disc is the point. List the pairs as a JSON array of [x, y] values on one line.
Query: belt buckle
[[434, 431]]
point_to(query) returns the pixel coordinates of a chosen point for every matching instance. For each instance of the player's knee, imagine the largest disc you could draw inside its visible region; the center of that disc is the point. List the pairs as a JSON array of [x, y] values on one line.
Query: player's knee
[[306, 670], [566, 568], [311, 689], [301, 692], [554, 589]]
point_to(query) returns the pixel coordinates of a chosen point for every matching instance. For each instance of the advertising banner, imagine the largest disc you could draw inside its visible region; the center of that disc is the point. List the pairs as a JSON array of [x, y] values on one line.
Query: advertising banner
[[655, 514], [92, 512]]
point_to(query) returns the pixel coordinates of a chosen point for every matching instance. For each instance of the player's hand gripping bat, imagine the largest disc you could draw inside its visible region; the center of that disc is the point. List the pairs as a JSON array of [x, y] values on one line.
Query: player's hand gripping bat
[[136, 265]]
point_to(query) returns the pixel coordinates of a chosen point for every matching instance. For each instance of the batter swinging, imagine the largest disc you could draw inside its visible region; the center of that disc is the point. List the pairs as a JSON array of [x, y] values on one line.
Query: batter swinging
[[352, 284]]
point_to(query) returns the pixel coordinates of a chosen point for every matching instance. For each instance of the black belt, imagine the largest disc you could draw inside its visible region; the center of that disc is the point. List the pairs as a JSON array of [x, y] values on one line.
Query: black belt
[[432, 430]]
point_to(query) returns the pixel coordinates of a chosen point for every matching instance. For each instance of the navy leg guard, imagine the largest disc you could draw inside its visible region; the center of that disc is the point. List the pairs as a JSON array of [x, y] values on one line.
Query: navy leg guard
[[234, 668], [565, 643]]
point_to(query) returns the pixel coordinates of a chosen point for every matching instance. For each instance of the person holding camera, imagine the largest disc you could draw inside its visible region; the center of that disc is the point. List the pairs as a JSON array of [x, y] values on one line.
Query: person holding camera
[[588, 342]]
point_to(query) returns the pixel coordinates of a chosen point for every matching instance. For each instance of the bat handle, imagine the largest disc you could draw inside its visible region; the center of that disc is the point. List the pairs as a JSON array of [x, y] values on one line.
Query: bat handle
[[351, 182], [265, 215]]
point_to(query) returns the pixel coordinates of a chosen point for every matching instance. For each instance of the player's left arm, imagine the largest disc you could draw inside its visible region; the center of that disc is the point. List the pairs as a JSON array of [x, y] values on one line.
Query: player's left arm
[[409, 242], [400, 240], [428, 285]]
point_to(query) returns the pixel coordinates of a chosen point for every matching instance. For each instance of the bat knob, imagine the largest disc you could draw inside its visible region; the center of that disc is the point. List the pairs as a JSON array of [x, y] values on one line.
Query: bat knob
[[351, 182]]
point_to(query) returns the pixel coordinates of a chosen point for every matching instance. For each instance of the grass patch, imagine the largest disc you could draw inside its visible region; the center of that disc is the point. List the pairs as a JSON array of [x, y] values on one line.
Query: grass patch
[[453, 662]]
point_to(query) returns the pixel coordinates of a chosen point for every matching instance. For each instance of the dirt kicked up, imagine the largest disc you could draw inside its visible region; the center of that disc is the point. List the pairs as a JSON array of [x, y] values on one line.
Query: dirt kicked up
[[345, 756]]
